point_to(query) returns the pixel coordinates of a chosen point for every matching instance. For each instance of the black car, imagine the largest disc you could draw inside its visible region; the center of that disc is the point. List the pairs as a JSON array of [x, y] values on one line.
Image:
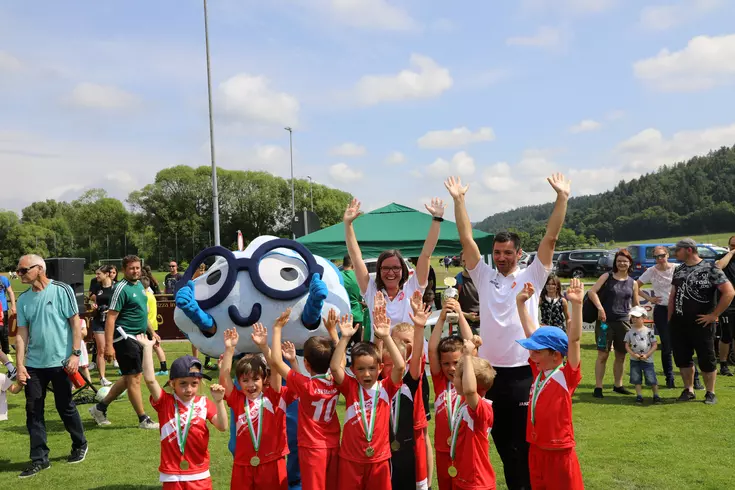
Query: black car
[[579, 263], [605, 263]]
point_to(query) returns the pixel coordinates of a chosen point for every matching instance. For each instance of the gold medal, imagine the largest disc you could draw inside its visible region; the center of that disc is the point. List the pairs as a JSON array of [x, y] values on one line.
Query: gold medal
[[369, 452], [184, 464], [449, 441], [254, 461], [395, 446], [452, 471]]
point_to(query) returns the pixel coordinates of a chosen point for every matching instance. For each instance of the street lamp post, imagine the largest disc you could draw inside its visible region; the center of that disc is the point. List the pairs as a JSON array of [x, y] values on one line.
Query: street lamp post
[[311, 191], [215, 192], [293, 189]]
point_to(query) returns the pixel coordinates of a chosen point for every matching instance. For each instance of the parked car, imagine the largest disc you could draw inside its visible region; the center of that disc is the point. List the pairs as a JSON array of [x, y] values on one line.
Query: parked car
[[605, 263], [643, 255], [579, 263], [525, 260]]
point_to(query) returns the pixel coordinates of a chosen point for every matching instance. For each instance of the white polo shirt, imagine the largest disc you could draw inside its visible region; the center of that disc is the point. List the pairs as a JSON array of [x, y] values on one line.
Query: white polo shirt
[[398, 308], [500, 325]]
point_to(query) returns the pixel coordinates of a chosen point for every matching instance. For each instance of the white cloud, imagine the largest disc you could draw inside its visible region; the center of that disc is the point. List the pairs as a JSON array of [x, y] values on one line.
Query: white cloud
[[248, 98], [9, 63], [704, 63], [662, 17], [395, 158], [615, 115], [584, 126], [453, 138], [348, 150], [367, 14], [424, 79], [568, 7], [343, 173], [103, 97], [462, 164], [545, 37]]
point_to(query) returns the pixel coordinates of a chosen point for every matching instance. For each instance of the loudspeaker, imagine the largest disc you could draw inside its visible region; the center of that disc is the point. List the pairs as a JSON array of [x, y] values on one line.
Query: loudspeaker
[[69, 271]]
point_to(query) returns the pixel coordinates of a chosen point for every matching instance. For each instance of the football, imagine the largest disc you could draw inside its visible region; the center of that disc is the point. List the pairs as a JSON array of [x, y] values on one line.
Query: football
[[102, 393]]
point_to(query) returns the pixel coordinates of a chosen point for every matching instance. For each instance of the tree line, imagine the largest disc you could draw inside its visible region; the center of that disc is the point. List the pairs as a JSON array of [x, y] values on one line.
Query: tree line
[[687, 198], [169, 219]]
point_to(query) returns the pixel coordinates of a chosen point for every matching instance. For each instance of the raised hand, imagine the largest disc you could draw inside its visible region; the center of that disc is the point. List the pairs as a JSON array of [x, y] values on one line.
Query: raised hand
[[259, 335], [379, 300], [346, 327], [436, 208], [288, 351], [330, 323], [218, 392], [455, 187], [468, 347], [381, 323], [282, 320], [420, 317], [144, 341], [231, 338], [561, 185], [417, 301], [526, 293], [352, 211], [575, 291]]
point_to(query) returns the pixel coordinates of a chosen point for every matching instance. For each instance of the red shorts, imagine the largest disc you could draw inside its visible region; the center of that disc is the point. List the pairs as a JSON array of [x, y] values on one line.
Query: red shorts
[[442, 466], [271, 475], [204, 484], [419, 449], [321, 468], [364, 476], [554, 470]]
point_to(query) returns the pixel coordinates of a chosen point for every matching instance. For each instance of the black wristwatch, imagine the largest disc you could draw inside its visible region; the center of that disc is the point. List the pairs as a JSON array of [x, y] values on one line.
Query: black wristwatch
[[77, 353], [437, 218]]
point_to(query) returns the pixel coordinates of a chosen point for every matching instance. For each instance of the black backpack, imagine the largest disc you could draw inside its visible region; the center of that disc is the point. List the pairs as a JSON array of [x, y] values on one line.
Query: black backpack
[[589, 310]]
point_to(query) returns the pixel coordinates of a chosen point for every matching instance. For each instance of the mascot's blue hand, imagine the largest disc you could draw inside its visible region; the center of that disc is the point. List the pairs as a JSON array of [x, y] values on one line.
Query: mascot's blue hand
[[187, 303], [318, 292]]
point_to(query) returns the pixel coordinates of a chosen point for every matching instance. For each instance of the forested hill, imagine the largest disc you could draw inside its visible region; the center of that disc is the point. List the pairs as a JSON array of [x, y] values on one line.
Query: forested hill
[[687, 198]]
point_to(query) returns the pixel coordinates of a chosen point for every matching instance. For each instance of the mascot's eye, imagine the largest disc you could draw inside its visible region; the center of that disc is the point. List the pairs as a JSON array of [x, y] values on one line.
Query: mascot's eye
[[282, 272], [289, 273], [212, 281], [214, 277]]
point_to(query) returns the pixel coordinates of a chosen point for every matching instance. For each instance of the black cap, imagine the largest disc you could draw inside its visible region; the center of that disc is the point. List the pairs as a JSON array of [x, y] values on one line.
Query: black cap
[[182, 368]]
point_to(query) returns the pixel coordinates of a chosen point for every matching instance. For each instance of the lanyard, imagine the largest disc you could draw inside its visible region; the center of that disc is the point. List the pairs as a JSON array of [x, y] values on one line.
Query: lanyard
[[455, 430], [451, 407], [368, 426], [537, 387], [255, 438], [182, 437]]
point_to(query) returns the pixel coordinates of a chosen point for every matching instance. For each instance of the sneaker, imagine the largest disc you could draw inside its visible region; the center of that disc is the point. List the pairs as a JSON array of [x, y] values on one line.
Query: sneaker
[[670, 383], [115, 364], [77, 455], [147, 423], [597, 393], [161, 373], [710, 398], [656, 399], [98, 415], [698, 385], [622, 390], [105, 382], [686, 396], [639, 399], [92, 366], [34, 469], [724, 370]]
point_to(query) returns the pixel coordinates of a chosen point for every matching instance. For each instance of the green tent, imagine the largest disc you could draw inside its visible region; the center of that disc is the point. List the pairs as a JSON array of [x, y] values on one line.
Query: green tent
[[392, 226]]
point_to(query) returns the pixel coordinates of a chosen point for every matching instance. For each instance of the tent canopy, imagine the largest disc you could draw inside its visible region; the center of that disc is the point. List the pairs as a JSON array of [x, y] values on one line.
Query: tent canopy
[[392, 226]]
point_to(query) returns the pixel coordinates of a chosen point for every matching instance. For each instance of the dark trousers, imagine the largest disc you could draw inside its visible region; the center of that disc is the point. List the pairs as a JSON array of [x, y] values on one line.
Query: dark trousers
[[35, 399], [661, 320], [509, 394], [4, 329]]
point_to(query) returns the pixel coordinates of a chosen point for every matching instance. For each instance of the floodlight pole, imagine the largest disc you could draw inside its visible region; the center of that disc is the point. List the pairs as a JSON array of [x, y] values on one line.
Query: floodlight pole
[[215, 192], [293, 189]]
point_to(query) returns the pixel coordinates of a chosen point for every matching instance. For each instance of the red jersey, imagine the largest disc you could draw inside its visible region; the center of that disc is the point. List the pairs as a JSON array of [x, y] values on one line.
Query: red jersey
[[472, 456], [273, 426], [354, 442], [318, 422], [553, 428], [420, 420], [441, 421], [196, 450]]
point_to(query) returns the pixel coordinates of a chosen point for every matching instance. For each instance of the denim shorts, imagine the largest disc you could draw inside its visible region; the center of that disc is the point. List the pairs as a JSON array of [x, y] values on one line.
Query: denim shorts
[[638, 369]]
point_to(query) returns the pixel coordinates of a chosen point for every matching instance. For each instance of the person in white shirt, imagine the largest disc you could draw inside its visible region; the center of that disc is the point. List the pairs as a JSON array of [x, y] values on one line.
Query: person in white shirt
[[500, 324]]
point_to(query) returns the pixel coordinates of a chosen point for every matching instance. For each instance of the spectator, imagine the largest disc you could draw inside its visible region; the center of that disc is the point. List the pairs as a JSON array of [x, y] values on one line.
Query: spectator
[[640, 342], [430, 291], [469, 300], [692, 316], [100, 297], [353, 292], [660, 277], [126, 318], [554, 308], [173, 276], [447, 263], [6, 289], [48, 339], [147, 272], [727, 319], [613, 318]]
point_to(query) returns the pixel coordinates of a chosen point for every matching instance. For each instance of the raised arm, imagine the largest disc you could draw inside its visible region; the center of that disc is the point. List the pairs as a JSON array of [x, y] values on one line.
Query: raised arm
[[546, 248], [336, 365], [470, 250], [526, 322], [381, 327], [436, 209], [231, 338], [361, 273], [260, 338], [464, 327], [330, 323], [220, 419], [575, 295], [149, 371], [469, 382], [419, 317], [289, 354], [436, 336], [276, 357]]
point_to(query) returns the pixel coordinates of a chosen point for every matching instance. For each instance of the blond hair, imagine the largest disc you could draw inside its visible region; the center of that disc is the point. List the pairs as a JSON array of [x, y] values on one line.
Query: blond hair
[[402, 327], [484, 372]]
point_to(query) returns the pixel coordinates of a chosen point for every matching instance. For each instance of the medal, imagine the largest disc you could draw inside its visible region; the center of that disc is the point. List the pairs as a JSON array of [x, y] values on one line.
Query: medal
[[537, 387], [449, 441], [181, 437], [255, 438], [254, 461], [452, 407], [452, 471], [394, 415], [369, 425], [395, 446]]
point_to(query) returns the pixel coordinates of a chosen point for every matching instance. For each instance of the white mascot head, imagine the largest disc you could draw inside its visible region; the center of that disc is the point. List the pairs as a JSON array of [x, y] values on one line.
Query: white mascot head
[[256, 285]]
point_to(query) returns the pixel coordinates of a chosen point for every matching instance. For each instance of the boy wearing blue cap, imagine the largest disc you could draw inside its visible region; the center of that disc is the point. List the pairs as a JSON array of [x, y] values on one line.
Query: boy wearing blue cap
[[552, 460]]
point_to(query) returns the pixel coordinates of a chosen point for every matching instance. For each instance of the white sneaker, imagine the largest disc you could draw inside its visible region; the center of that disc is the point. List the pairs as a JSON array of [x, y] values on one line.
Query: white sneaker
[[148, 424], [105, 382], [98, 415], [92, 366], [115, 364]]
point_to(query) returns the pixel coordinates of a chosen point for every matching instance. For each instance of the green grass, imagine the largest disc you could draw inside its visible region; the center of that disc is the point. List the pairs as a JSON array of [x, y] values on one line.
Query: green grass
[[669, 447]]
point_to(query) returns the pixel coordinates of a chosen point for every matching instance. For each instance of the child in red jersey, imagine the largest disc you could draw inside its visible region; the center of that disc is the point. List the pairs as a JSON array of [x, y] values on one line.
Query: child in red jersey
[[444, 355], [259, 409], [318, 422], [365, 451], [182, 418], [552, 460]]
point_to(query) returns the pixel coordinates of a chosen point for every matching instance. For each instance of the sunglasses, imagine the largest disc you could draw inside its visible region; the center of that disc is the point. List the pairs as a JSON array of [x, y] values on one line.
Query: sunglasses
[[659, 256], [22, 271]]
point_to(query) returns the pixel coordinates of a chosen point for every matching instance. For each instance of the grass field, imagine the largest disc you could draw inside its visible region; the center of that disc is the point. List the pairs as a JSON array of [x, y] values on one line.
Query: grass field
[[669, 447]]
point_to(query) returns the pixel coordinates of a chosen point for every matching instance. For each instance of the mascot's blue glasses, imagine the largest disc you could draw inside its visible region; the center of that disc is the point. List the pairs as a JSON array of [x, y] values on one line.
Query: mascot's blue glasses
[[250, 264]]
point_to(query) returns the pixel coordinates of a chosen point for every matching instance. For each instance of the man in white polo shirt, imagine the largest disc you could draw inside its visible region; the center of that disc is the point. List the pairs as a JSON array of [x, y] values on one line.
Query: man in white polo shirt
[[500, 325]]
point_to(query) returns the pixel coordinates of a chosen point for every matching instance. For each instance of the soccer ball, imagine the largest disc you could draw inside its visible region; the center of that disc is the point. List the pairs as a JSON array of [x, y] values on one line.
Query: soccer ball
[[102, 393]]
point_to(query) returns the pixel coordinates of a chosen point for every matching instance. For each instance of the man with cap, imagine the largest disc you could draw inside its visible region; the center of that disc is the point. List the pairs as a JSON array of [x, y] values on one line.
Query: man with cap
[[693, 314]]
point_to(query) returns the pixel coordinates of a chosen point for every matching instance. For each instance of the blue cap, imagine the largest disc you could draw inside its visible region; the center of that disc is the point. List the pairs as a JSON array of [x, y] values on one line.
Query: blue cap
[[547, 338], [182, 368]]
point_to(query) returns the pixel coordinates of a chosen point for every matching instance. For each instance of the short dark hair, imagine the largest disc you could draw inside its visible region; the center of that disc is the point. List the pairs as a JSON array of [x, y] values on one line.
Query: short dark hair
[[508, 236], [106, 269], [404, 268], [365, 349], [252, 364], [347, 261], [622, 253], [453, 343], [129, 259], [318, 351]]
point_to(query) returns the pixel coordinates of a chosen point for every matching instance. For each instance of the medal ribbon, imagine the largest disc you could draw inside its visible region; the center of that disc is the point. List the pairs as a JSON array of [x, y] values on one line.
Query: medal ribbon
[[451, 407], [455, 430], [537, 387], [182, 437], [368, 426], [396, 413], [253, 436]]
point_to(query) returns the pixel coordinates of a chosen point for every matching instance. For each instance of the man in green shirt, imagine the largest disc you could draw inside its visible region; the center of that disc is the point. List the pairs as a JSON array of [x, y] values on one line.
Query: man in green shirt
[[127, 318]]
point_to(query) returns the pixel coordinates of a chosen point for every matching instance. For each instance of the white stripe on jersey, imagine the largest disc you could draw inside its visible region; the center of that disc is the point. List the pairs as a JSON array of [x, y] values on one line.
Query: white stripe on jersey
[[242, 420], [200, 412]]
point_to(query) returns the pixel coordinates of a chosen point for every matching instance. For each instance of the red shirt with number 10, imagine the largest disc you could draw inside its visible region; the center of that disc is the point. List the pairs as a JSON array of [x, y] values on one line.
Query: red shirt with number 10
[[318, 422]]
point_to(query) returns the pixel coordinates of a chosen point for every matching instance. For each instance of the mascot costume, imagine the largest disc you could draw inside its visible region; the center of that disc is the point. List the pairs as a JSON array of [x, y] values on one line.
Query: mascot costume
[[256, 285]]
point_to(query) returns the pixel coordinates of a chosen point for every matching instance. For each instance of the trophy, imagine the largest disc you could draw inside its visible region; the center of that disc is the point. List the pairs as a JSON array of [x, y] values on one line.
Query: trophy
[[450, 293]]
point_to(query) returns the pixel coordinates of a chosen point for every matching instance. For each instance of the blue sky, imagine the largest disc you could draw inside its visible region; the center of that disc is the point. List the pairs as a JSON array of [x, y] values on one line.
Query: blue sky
[[386, 97]]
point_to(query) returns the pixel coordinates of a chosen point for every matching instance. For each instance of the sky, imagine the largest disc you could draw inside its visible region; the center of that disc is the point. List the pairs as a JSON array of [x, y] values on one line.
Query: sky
[[386, 98]]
